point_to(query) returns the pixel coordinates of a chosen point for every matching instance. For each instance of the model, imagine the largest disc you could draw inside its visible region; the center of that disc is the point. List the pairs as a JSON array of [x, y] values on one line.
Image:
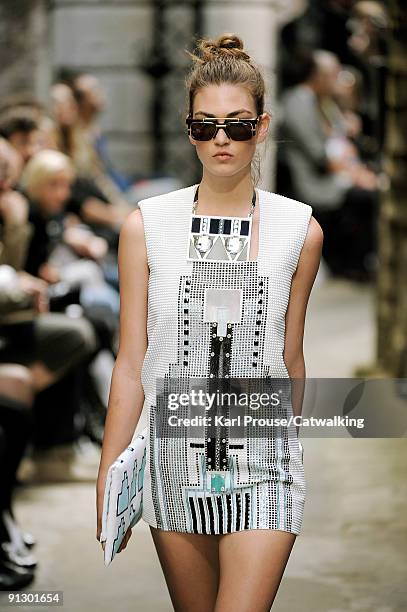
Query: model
[[214, 282]]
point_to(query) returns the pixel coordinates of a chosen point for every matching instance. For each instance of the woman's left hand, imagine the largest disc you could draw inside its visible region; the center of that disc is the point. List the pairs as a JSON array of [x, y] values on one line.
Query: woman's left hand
[[125, 540]]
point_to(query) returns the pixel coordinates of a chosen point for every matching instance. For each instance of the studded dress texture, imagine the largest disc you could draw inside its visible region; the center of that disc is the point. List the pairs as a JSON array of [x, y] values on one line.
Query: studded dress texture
[[214, 486]]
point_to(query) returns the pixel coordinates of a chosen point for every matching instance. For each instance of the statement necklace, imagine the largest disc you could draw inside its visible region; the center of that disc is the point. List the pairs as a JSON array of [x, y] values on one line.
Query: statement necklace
[[219, 238]]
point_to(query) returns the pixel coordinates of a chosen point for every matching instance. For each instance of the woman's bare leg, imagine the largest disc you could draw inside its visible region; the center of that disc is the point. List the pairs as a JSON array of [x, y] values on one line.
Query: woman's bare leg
[[190, 564], [252, 564]]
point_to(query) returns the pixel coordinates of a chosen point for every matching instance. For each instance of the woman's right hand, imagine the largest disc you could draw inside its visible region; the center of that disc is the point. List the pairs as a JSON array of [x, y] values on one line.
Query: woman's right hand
[[99, 511]]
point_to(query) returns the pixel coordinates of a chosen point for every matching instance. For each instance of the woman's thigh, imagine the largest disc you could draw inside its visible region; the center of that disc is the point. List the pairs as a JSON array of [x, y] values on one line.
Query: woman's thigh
[[190, 564], [251, 565]]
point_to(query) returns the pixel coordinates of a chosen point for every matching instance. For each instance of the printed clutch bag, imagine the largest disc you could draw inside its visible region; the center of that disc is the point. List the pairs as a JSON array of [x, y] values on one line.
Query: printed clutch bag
[[123, 496]]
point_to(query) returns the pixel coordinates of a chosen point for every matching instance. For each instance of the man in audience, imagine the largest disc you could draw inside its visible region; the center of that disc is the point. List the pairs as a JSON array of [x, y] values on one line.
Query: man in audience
[[91, 102], [20, 127], [326, 172]]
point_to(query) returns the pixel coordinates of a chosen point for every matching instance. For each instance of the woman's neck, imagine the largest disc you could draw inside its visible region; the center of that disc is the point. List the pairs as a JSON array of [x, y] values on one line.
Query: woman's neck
[[229, 196]]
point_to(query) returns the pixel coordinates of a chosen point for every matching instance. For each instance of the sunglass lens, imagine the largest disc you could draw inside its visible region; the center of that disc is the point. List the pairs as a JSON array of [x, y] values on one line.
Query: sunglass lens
[[202, 131], [240, 131]]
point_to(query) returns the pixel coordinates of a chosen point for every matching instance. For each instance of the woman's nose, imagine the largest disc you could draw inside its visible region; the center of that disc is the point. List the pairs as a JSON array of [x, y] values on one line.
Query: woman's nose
[[221, 135]]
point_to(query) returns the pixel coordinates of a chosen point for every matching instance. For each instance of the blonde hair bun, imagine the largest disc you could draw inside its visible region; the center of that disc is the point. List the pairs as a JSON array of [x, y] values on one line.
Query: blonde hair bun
[[226, 45]]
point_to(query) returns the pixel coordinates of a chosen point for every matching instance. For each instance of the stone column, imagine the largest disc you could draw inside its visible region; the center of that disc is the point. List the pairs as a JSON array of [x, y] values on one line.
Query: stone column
[[24, 48], [392, 223]]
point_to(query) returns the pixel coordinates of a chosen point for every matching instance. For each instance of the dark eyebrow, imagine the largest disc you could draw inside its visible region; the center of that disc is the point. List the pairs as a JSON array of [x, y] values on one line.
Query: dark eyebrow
[[233, 114]]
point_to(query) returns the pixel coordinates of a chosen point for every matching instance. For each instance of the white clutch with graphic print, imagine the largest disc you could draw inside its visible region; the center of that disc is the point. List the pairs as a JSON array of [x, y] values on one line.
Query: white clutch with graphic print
[[123, 496]]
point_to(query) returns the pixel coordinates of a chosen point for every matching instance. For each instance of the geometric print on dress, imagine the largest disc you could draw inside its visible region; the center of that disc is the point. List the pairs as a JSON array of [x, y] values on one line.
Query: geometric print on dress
[[210, 485]]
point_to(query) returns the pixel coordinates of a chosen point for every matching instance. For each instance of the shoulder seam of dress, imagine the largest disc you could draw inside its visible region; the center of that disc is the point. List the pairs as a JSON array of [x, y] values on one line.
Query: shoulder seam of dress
[[175, 194], [288, 200]]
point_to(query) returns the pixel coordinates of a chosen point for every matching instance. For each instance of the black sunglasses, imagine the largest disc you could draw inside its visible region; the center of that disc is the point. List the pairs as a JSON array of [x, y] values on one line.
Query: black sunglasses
[[235, 128]]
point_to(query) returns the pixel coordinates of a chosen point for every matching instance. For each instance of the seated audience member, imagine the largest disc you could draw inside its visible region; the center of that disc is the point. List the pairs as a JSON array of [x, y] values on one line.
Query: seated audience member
[[91, 103], [20, 127], [47, 180], [59, 251], [326, 171], [87, 200]]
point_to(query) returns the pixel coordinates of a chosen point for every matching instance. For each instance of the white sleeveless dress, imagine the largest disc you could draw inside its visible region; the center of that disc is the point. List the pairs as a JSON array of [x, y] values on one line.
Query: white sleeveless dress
[[208, 485]]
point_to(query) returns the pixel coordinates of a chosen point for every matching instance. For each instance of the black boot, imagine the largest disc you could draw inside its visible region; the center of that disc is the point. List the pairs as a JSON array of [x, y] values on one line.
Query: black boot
[[14, 578], [18, 555], [12, 547]]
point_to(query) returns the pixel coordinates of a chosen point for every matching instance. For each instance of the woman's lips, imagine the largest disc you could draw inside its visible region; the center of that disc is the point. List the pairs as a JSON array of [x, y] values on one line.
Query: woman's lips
[[223, 156]]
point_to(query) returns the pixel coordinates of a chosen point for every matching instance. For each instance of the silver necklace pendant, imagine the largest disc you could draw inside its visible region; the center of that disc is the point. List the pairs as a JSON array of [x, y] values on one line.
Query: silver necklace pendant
[[219, 238]]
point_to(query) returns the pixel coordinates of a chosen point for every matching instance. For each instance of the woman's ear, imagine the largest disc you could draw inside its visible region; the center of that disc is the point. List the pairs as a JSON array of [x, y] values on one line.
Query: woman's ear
[[263, 126], [191, 140]]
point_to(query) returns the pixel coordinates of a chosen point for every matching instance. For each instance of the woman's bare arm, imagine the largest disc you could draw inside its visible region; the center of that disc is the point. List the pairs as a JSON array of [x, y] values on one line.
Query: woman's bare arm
[[126, 396], [302, 282]]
